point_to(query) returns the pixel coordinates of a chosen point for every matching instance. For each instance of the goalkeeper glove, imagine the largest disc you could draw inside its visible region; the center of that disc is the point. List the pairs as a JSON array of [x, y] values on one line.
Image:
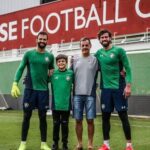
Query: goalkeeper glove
[[15, 92]]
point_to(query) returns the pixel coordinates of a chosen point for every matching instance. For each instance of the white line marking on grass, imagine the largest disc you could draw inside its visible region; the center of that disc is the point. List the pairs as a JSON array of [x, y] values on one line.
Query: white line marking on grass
[[133, 125]]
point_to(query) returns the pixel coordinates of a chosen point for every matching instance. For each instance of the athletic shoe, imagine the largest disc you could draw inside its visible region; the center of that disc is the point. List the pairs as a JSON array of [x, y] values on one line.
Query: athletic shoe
[[129, 148], [44, 146], [65, 146], [22, 146], [55, 146], [103, 147]]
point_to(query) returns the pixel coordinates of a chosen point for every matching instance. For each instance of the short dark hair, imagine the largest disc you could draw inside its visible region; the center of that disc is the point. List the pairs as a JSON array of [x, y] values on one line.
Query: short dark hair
[[85, 39], [103, 31], [62, 56], [42, 33]]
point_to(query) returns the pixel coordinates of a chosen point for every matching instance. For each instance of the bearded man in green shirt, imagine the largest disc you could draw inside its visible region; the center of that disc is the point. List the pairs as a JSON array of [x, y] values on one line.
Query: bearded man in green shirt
[[36, 94], [115, 89]]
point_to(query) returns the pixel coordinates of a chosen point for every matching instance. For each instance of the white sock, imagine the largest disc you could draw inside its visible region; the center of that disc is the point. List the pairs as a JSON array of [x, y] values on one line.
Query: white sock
[[106, 142], [23, 142], [128, 144]]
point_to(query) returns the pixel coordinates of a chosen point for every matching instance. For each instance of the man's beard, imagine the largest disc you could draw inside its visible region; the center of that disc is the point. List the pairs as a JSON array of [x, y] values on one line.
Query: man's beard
[[106, 44], [41, 46]]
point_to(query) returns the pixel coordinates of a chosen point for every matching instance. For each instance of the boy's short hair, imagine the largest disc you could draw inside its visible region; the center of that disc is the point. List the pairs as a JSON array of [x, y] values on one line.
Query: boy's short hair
[[103, 31], [62, 56]]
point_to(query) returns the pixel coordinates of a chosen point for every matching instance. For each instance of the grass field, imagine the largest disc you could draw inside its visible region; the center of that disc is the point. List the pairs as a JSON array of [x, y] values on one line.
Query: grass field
[[10, 128]]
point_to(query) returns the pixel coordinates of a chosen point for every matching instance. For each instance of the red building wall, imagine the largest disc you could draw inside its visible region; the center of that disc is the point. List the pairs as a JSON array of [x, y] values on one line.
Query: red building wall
[[70, 20]]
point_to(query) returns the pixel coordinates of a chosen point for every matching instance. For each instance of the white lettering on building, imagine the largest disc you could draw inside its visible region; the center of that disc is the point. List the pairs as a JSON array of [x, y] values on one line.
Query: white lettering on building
[[139, 12], [33, 25], [52, 31], [24, 27], [117, 19], [66, 12]]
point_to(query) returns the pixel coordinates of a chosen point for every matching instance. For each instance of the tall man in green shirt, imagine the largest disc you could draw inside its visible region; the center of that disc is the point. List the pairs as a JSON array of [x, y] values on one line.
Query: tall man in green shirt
[[36, 94], [114, 89]]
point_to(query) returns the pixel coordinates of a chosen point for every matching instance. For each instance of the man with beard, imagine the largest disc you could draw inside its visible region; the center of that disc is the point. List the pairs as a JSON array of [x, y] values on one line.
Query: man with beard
[[85, 73], [36, 94], [114, 89]]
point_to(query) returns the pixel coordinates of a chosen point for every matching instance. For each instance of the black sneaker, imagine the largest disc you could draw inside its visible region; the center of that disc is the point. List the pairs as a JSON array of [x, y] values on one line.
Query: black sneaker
[[55, 146], [65, 146]]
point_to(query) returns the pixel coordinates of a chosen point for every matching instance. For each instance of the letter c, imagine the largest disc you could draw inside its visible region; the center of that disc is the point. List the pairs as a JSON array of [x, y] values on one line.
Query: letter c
[[142, 15]]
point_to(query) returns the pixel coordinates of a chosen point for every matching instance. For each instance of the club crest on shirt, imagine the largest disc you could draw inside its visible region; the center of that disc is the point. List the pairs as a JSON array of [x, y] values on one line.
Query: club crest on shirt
[[46, 59], [67, 78], [56, 77], [112, 55]]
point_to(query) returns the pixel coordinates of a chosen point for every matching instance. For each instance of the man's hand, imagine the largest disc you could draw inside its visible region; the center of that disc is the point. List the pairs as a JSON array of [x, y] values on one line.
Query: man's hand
[[15, 92], [50, 72], [127, 90]]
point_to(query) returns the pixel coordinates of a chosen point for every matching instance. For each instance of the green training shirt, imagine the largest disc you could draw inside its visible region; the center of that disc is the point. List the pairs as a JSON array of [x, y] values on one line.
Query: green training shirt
[[61, 83], [37, 65], [111, 62]]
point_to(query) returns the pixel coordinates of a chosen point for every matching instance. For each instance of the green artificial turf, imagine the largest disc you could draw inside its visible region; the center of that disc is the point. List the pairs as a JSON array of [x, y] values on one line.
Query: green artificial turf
[[10, 131]]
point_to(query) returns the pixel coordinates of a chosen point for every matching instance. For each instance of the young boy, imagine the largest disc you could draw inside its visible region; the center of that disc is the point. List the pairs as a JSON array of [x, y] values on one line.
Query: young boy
[[61, 83]]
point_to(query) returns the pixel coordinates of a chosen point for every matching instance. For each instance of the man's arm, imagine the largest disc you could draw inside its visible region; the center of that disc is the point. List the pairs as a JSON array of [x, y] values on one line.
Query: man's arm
[[21, 67], [51, 65], [15, 92], [127, 90], [128, 76], [71, 63], [98, 62]]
